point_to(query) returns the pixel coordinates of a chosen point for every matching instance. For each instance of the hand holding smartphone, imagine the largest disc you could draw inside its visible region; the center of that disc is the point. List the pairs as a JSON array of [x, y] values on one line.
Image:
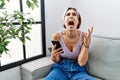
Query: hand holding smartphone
[[58, 45]]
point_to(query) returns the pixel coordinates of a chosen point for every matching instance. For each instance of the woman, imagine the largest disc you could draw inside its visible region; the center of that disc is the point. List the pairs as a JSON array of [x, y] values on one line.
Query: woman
[[71, 58]]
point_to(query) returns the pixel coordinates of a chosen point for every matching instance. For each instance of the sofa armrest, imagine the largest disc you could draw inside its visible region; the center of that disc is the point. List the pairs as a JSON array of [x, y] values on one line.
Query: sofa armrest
[[36, 69]]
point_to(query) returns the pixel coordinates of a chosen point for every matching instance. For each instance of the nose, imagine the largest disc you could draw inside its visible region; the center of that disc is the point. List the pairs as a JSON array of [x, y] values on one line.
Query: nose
[[71, 15]]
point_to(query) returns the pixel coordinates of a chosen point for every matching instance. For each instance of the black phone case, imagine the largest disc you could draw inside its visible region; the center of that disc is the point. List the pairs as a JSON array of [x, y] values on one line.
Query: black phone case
[[57, 43]]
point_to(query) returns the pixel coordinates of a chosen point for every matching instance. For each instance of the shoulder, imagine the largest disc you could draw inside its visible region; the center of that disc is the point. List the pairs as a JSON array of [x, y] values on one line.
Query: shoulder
[[56, 36]]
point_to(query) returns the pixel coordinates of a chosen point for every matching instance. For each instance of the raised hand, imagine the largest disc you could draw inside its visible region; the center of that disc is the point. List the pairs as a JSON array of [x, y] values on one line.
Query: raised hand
[[87, 38]]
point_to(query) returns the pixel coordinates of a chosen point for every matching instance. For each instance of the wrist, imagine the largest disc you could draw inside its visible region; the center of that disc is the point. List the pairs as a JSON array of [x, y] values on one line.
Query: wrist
[[86, 46], [56, 58]]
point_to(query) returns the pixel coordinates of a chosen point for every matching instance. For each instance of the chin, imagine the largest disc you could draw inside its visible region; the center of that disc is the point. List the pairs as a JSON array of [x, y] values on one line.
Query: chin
[[72, 29]]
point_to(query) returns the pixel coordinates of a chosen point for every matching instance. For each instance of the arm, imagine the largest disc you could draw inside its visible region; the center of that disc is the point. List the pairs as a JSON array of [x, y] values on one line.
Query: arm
[[55, 54], [86, 39]]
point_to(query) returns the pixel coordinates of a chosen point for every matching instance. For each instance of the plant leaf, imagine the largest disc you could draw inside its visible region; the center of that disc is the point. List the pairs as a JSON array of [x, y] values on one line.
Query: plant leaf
[[27, 37], [28, 3]]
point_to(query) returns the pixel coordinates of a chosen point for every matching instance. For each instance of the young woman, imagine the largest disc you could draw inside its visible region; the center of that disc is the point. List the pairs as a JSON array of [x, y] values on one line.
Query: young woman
[[71, 58]]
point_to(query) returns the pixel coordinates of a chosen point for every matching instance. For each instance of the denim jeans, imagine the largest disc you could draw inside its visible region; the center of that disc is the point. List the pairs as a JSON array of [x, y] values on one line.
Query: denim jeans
[[68, 69]]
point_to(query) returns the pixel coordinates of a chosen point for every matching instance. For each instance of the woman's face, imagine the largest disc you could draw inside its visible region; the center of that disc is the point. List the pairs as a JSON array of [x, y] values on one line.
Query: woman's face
[[71, 19]]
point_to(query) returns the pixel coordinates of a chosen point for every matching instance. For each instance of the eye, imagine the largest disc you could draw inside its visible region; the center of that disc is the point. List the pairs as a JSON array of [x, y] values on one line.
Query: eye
[[74, 14], [68, 14]]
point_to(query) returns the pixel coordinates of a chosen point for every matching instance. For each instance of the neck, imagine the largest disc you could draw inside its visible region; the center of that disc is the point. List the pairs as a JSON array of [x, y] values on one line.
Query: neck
[[72, 34]]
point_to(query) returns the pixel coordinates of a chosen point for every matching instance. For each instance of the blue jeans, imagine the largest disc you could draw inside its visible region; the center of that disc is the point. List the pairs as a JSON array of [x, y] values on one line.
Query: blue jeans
[[68, 69]]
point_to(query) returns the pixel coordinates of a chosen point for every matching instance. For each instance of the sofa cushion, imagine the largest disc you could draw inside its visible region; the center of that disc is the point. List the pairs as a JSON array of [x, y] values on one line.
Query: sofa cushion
[[104, 57]]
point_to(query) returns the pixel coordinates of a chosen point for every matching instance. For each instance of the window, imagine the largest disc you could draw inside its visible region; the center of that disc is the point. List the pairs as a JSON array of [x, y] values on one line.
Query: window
[[33, 49]]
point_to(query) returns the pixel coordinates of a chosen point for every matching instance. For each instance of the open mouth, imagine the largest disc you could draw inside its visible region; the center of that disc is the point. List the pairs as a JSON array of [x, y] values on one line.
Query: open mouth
[[70, 23]]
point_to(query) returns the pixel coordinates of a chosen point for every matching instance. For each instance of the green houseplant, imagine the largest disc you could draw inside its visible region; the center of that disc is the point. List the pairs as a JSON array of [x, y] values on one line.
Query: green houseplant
[[9, 31]]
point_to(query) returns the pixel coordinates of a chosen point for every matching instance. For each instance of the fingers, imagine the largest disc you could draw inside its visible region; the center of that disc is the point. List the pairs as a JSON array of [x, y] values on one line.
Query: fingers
[[59, 50], [53, 47], [87, 37], [90, 32], [91, 29], [56, 52]]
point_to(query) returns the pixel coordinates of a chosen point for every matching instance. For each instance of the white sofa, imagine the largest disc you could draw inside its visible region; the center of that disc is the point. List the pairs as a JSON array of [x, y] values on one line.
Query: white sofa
[[104, 61]]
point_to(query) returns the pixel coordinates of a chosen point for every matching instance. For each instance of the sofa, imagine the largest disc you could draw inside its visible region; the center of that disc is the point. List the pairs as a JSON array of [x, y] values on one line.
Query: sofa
[[104, 57], [103, 63]]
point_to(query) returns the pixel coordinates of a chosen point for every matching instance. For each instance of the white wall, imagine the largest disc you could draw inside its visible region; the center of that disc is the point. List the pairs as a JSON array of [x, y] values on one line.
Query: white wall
[[103, 15]]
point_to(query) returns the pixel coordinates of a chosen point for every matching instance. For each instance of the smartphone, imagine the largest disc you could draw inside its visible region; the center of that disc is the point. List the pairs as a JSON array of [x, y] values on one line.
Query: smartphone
[[57, 43]]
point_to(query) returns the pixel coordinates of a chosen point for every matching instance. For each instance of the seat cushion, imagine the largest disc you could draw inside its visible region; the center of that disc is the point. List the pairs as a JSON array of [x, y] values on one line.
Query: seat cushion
[[104, 57]]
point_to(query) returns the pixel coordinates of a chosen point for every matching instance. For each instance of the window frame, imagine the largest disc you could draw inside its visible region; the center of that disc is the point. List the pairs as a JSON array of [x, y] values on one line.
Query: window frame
[[42, 22]]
